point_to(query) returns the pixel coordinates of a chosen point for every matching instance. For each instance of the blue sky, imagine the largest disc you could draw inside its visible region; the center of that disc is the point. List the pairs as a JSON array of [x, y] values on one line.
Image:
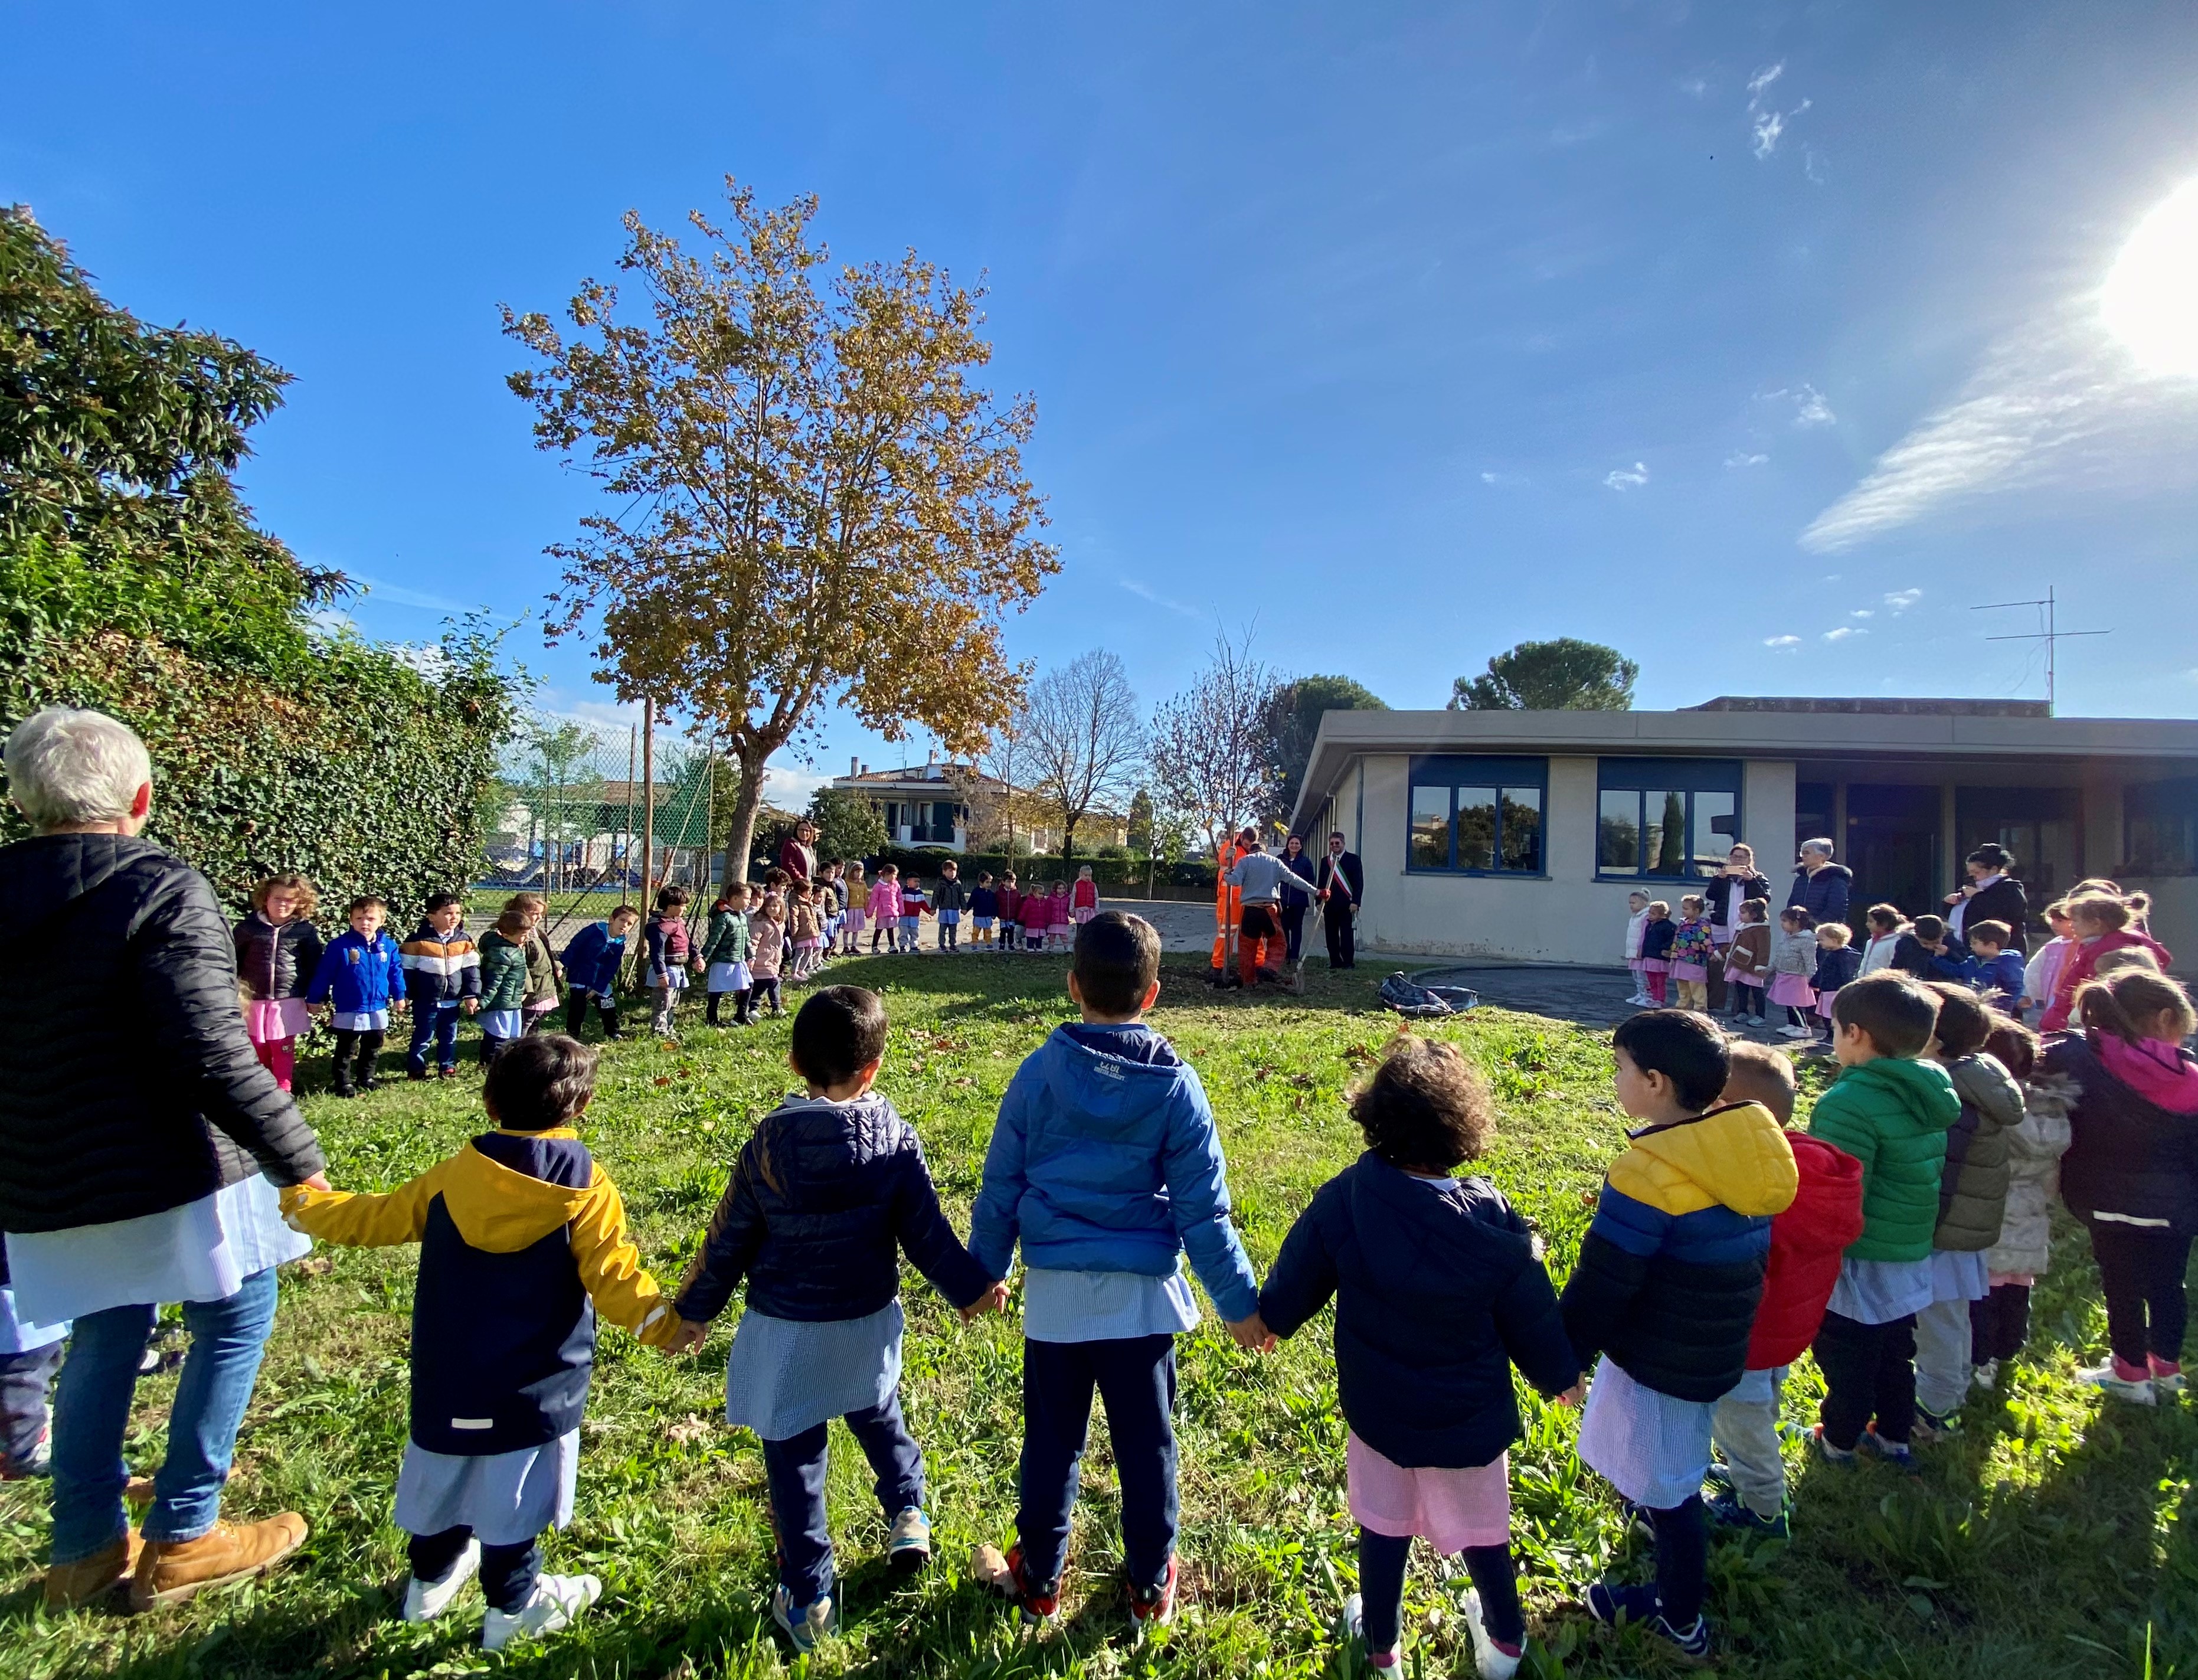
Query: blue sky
[[1402, 332]]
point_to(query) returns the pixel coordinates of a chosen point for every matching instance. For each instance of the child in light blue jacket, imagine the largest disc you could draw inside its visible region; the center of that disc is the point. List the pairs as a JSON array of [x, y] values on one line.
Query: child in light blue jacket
[[1106, 1166]]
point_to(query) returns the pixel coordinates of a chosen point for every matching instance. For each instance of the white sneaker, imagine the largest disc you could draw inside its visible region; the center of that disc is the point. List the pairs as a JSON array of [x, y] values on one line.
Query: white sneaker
[[557, 1603], [1795, 1032], [424, 1601], [1985, 1377], [2138, 1393], [1490, 1663]]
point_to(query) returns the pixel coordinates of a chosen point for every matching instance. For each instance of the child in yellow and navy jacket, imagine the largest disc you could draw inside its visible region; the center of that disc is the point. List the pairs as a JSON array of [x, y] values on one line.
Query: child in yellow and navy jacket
[[522, 1241], [1666, 1291]]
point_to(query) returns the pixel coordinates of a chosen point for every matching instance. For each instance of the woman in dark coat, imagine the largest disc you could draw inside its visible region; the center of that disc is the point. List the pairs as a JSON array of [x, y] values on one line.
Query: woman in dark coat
[[1991, 895]]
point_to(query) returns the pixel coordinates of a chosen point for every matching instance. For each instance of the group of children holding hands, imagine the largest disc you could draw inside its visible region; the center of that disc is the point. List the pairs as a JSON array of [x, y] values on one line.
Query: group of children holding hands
[[1896, 1238], [364, 977]]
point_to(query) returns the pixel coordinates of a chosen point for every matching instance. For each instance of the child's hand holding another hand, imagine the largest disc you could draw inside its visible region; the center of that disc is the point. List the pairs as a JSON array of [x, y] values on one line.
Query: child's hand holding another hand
[[689, 1337], [994, 1299], [1577, 1394], [1252, 1335]]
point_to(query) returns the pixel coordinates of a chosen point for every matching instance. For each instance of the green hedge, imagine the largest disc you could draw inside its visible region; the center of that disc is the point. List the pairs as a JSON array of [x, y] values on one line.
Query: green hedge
[[1122, 877], [338, 758]]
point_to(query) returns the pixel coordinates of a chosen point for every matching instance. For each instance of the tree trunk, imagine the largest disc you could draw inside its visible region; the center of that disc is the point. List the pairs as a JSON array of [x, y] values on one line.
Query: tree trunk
[[1067, 838], [748, 801]]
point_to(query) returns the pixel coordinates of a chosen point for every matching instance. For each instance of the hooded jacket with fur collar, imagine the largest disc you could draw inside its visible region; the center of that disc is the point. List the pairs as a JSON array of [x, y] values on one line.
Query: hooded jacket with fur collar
[[1671, 1272]]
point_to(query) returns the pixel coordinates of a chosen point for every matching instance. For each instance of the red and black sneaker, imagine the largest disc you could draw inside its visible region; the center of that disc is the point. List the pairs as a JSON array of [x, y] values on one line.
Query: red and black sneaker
[[1155, 1606], [1004, 1575]]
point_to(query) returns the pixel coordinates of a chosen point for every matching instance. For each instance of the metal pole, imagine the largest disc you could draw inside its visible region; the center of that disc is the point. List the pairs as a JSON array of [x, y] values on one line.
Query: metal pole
[[648, 805], [626, 839]]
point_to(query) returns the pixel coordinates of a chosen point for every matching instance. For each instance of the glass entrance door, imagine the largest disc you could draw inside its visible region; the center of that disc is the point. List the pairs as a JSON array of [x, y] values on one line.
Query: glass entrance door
[[1892, 846], [2042, 827]]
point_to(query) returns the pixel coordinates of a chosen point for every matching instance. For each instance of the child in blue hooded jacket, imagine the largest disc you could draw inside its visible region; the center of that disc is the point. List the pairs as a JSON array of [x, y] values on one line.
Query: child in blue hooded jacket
[[1106, 1165], [1404, 1243], [362, 977]]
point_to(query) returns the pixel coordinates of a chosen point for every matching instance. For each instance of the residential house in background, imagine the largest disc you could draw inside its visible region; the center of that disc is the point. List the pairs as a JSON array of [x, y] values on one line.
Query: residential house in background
[[959, 809]]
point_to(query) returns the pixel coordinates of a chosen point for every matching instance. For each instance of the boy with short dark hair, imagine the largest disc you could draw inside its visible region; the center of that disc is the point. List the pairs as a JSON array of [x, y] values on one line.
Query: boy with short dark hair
[[1998, 970], [1104, 1104], [824, 1198], [593, 962], [984, 907], [1806, 1241], [442, 977], [948, 900], [1891, 1111], [361, 977], [1666, 1291]]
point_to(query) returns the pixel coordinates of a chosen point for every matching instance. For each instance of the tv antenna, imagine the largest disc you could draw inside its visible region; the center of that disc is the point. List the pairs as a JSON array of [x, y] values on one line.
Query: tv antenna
[[2051, 636]]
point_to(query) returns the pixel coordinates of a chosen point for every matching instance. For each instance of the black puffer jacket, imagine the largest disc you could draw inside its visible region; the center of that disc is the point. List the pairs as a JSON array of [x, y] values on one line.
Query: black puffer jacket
[[1403, 1258], [1725, 894], [2126, 1155], [1825, 894], [127, 1086], [275, 962], [821, 1198]]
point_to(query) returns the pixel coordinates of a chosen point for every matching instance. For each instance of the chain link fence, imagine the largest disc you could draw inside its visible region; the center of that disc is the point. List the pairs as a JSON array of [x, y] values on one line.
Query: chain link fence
[[573, 810]]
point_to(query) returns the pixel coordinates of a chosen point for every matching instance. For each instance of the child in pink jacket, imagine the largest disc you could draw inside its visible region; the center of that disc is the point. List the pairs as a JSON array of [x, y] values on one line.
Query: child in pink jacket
[[885, 907]]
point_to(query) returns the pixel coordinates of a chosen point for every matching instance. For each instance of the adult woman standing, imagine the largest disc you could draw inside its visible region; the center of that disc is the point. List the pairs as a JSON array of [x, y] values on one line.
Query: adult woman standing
[[142, 1144], [1733, 886], [1821, 887], [1992, 894], [1295, 904]]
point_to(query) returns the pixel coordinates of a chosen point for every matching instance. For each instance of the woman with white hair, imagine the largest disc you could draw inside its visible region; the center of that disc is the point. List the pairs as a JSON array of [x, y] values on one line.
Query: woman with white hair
[[142, 1144]]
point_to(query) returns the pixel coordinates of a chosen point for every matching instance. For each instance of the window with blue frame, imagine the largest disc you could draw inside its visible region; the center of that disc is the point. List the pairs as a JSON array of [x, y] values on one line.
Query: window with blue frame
[[1666, 819], [1474, 815]]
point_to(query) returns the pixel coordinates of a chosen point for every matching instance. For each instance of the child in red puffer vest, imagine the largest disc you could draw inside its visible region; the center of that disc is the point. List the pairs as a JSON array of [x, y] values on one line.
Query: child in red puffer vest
[[1806, 1242]]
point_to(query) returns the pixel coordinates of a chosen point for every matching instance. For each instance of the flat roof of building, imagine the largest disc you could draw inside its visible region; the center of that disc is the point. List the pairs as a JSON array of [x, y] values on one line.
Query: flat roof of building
[[1743, 730]]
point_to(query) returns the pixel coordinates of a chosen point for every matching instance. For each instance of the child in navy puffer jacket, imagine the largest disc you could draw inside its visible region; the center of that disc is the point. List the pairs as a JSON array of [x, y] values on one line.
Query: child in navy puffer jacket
[[1106, 1166], [1403, 1244], [824, 1198]]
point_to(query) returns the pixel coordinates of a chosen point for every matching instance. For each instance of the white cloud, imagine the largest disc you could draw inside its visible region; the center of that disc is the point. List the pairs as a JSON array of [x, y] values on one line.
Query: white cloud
[[1810, 408], [1146, 592], [1812, 166], [1621, 478], [396, 594], [1864, 613], [790, 789], [1782, 641], [1742, 458], [1694, 87], [1843, 632], [2058, 405], [1767, 124], [1901, 600]]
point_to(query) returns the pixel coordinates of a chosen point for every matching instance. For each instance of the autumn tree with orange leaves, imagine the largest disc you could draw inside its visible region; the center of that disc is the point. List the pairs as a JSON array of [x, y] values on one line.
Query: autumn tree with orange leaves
[[809, 500]]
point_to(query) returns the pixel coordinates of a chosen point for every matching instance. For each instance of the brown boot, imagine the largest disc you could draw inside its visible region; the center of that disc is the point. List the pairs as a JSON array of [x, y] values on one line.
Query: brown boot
[[69, 1584], [172, 1570]]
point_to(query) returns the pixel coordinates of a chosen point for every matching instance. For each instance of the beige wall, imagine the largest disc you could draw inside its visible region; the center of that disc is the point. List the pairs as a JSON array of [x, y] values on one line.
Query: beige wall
[[1568, 916]]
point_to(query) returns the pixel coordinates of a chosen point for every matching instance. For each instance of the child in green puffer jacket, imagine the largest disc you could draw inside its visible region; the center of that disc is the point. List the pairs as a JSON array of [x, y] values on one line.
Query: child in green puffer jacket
[[1891, 1111], [503, 983]]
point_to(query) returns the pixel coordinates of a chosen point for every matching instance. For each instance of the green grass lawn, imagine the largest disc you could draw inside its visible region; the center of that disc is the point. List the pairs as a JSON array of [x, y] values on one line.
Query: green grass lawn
[[2050, 1538]]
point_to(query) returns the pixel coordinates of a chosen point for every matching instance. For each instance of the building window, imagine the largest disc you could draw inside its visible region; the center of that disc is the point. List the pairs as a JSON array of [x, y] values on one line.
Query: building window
[[2160, 828], [1477, 815], [1666, 819]]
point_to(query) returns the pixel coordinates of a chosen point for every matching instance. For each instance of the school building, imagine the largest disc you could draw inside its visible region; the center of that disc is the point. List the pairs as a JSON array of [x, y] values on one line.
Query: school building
[[1519, 834]]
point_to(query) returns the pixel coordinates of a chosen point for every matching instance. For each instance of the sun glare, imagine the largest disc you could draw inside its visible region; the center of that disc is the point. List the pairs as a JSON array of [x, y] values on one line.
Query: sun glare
[[2150, 299]]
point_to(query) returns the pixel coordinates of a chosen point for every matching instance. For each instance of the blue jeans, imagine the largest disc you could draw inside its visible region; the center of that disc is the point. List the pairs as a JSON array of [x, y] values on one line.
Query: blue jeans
[[1135, 1375], [796, 1469], [91, 1410], [438, 1022]]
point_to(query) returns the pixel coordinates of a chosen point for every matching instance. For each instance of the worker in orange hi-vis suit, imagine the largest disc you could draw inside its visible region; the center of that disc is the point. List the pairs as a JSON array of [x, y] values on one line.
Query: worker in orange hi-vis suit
[[1228, 906]]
